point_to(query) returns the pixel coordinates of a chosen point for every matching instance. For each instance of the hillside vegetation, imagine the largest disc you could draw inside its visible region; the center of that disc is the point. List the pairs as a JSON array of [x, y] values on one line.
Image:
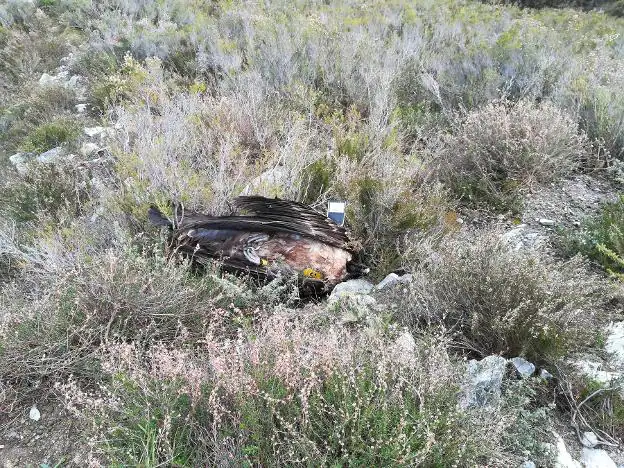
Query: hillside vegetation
[[439, 122]]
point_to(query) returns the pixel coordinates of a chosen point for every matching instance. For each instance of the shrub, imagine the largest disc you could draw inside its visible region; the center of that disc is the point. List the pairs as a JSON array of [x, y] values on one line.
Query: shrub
[[495, 301], [51, 134], [502, 148], [284, 394], [601, 239]]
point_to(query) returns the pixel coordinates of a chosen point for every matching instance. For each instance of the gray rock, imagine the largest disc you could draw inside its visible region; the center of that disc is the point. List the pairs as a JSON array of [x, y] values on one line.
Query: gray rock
[[88, 149], [563, 459], [523, 367], [99, 131], [483, 381], [406, 342], [589, 439], [544, 374], [20, 160], [596, 458], [392, 280], [595, 371], [546, 222], [81, 108], [615, 344], [527, 464], [50, 156], [350, 288]]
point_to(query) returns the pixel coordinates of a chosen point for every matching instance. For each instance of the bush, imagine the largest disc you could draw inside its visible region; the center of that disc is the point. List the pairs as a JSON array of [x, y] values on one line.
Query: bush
[[495, 301], [503, 148], [602, 234], [284, 394], [51, 134]]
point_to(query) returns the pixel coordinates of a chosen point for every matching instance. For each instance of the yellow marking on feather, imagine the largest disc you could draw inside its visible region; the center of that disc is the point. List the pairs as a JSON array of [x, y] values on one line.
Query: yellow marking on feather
[[311, 273]]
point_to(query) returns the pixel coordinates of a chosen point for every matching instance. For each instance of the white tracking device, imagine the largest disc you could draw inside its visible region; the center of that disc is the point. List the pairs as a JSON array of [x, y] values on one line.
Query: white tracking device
[[336, 212]]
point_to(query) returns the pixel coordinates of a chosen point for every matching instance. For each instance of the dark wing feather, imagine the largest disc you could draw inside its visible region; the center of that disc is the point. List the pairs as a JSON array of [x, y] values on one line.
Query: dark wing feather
[[293, 217]]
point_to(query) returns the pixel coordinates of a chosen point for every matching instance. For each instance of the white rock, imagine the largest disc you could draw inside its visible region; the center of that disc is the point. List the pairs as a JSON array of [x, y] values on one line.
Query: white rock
[[34, 414], [594, 371], [544, 374], [589, 439], [98, 131], [19, 160], [563, 458], [50, 80], [615, 344], [527, 464], [596, 458], [80, 108], [483, 381], [350, 288], [406, 342], [392, 280], [50, 156], [523, 367], [88, 149], [546, 222]]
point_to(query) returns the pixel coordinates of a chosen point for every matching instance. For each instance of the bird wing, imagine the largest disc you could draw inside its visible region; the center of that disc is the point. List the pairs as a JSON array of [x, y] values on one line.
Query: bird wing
[[294, 217]]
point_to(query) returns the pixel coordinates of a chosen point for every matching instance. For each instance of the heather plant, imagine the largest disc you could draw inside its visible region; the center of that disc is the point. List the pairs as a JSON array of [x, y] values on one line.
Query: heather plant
[[503, 148], [494, 300], [289, 393]]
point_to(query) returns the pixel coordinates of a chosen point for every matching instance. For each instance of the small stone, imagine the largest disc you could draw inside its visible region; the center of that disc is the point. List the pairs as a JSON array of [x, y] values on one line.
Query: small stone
[[19, 160], [527, 464], [459, 221], [576, 224], [589, 439], [546, 222], [596, 458], [80, 108], [98, 131], [88, 149], [34, 414], [523, 367], [392, 280], [544, 374]]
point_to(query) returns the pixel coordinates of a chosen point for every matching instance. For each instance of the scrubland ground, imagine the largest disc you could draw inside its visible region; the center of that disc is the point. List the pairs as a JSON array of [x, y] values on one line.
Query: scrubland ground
[[479, 145]]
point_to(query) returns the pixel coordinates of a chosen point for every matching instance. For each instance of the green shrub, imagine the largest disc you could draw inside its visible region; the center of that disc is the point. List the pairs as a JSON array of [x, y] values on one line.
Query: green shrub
[[51, 134], [601, 238]]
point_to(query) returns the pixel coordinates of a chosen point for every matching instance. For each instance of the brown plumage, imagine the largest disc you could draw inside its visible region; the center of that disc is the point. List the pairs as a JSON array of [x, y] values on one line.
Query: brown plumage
[[267, 238]]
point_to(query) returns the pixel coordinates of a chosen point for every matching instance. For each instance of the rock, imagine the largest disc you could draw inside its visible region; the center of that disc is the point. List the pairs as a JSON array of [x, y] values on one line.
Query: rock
[[19, 160], [523, 367], [527, 464], [392, 280], [544, 374], [88, 149], [615, 344], [80, 108], [350, 288], [483, 381], [406, 342], [596, 458], [34, 414], [99, 131], [594, 370], [546, 222], [589, 439], [50, 156], [563, 458]]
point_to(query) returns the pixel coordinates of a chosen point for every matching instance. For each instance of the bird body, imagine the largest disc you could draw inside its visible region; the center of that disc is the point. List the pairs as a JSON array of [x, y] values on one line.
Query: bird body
[[271, 238]]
